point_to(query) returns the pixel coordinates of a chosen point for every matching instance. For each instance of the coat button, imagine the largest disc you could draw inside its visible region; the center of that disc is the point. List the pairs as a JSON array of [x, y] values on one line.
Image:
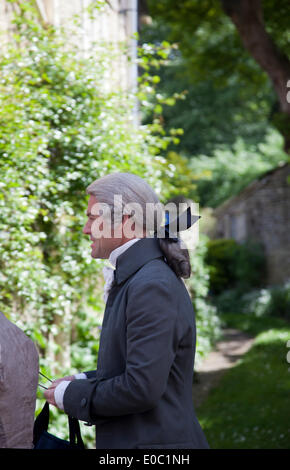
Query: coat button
[[83, 402]]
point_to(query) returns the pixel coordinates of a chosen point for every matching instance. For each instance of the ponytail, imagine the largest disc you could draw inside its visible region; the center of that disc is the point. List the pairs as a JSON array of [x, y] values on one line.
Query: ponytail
[[177, 258]]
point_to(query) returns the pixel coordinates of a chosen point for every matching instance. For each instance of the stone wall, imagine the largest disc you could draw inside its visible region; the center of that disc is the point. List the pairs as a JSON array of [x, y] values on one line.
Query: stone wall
[[261, 212]]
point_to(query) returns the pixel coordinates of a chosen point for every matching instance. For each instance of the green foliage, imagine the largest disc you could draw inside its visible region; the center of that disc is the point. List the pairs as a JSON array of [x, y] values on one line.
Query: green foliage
[[250, 265], [229, 171], [234, 265], [271, 301], [277, 24], [209, 39], [247, 409], [252, 302], [155, 102], [215, 58], [219, 258], [279, 304], [181, 181], [61, 128], [281, 122], [208, 324], [211, 116]]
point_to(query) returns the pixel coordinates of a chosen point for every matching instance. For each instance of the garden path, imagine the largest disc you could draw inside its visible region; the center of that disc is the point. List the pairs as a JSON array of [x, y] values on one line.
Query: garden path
[[234, 344]]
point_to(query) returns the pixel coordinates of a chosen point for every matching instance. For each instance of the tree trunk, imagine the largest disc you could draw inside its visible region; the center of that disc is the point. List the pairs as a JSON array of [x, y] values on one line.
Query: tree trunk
[[247, 15]]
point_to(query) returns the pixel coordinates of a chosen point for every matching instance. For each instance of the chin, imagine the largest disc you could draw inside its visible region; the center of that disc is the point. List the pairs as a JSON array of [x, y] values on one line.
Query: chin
[[94, 253]]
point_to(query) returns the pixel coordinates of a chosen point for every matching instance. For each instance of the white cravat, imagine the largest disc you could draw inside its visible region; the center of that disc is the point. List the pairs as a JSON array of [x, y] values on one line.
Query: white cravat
[[109, 272]]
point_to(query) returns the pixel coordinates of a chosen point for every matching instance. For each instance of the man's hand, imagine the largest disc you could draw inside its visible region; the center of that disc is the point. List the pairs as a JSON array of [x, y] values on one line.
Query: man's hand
[[57, 381], [49, 393]]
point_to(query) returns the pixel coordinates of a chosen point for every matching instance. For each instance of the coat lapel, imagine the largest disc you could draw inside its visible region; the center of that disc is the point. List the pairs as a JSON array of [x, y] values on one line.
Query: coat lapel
[[135, 257]]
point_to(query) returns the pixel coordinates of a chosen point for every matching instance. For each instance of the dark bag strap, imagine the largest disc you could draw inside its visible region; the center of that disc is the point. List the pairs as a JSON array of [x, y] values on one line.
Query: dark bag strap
[[41, 424], [75, 437]]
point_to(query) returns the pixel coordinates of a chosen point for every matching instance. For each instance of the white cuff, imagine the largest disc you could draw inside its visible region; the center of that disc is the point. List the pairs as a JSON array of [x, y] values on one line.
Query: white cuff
[[80, 375], [59, 393]]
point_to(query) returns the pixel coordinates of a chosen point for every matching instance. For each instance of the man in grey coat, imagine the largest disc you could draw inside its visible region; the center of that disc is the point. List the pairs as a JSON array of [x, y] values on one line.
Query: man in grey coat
[[140, 395], [18, 386]]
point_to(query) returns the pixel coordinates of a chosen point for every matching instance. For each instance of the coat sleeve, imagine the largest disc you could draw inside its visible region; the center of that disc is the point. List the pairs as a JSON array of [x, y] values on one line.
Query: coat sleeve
[[151, 316]]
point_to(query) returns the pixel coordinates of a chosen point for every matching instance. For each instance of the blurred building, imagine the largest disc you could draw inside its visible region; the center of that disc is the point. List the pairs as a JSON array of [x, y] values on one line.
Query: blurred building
[[261, 212], [114, 23]]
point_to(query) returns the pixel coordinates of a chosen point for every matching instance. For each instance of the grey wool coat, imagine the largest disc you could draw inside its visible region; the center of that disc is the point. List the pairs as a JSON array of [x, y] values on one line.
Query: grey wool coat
[[140, 395], [18, 386]]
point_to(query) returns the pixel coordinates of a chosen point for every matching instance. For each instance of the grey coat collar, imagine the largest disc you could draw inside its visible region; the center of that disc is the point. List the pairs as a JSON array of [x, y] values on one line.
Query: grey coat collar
[[136, 256]]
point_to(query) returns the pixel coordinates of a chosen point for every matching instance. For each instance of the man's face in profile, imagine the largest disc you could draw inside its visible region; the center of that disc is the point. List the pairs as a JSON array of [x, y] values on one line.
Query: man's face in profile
[[102, 243]]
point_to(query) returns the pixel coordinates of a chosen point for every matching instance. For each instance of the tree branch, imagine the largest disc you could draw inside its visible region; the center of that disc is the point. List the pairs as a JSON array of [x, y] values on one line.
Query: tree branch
[[247, 15]]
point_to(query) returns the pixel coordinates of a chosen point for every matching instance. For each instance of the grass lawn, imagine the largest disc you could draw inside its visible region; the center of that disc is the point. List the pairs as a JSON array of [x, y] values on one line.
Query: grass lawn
[[250, 408]]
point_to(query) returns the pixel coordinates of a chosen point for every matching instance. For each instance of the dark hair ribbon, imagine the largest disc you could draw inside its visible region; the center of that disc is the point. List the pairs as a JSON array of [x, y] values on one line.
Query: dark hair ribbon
[[179, 224]]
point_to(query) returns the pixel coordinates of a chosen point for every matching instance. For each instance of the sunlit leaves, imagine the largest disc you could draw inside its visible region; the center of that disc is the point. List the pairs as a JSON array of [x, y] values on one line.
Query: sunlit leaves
[[61, 128]]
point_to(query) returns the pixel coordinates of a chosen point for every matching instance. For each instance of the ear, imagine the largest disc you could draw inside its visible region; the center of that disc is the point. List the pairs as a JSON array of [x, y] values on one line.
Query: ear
[[126, 217], [131, 224]]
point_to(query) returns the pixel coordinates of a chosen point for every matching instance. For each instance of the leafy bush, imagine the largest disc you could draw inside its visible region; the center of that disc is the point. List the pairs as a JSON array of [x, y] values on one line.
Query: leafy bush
[[279, 304], [60, 129], [271, 301], [208, 324], [229, 171], [234, 265], [233, 300], [250, 266], [220, 257]]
